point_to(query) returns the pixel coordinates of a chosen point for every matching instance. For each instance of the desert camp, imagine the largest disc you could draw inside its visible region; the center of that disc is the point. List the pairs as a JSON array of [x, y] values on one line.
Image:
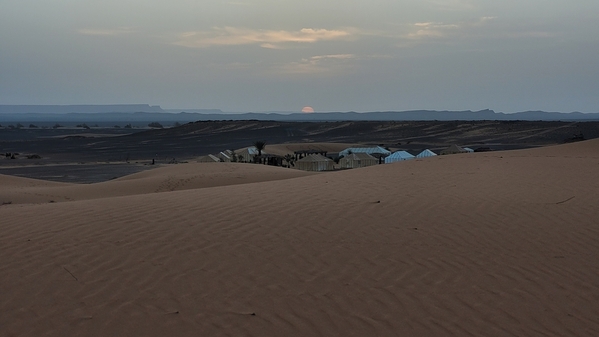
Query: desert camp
[[159, 247], [116, 258]]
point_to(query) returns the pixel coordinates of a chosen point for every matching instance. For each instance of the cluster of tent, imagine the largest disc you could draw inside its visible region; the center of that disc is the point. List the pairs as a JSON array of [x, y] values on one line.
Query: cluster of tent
[[404, 155], [353, 157], [244, 156], [369, 155]]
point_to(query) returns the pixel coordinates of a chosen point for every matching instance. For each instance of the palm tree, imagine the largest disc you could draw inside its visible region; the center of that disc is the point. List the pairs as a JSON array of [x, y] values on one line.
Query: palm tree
[[289, 159], [260, 145]]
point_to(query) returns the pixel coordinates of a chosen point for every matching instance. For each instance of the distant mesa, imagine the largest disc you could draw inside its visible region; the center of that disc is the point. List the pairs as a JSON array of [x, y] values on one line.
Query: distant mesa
[[308, 110], [145, 113], [63, 109]]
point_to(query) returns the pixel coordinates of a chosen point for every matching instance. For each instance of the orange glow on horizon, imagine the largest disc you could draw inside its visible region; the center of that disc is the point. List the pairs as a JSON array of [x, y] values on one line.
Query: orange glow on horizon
[[308, 110]]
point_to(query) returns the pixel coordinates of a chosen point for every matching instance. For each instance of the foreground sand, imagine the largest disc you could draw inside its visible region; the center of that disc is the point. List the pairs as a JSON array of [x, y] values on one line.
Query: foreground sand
[[486, 244], [17, 190]]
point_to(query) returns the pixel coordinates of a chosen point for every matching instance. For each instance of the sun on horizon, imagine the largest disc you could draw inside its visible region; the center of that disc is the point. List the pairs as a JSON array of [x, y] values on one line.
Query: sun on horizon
[[308, 110]]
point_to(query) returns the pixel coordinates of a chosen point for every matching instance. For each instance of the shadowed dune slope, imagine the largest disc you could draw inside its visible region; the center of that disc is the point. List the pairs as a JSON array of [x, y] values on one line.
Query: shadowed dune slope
[[7, 181], [483, 244], [163, 179]]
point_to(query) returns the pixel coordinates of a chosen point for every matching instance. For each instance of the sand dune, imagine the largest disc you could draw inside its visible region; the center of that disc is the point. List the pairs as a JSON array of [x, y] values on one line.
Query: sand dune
[[484, 244], [164, 179]]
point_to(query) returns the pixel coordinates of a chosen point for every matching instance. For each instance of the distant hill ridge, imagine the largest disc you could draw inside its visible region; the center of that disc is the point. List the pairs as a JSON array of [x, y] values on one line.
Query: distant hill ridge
[[146, 112], [418, 115], [63, 109]]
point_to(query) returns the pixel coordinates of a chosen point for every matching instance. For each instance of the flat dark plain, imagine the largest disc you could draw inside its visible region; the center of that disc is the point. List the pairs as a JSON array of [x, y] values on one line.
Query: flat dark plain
[[87, 156]]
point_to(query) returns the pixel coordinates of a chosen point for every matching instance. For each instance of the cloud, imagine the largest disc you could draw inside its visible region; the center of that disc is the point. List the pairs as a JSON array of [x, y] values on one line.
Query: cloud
[[232, 36], [319, 64], [334, 57], [431, 30], [106, 32], [440, 29], [270, 46], [483, 28]]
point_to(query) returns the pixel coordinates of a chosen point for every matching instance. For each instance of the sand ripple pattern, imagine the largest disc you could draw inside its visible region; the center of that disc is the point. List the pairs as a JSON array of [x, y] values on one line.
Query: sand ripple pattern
[[501, 244]]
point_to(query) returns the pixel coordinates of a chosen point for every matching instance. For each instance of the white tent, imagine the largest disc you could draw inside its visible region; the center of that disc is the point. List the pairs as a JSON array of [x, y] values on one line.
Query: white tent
[[356, 160], [398, 156], [315, 162], [225, 156], [426, 153], [247, 155]]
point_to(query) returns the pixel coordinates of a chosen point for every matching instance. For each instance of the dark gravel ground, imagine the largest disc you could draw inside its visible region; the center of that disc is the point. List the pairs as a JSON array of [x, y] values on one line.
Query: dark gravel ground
[[102, 154]]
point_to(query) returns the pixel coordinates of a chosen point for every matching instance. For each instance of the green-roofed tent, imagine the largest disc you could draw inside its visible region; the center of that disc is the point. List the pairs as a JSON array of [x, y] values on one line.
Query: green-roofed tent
[[453, 149]]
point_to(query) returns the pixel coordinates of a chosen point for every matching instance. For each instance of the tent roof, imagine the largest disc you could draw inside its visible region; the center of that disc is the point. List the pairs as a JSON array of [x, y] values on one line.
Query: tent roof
[[226, 155], [314, 158], [209, 158], [426, 153], [454, 149], [372, 149], [400, 154]]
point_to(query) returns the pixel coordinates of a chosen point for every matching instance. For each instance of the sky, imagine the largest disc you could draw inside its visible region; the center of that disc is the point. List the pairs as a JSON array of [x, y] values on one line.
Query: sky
[[283, 55]]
